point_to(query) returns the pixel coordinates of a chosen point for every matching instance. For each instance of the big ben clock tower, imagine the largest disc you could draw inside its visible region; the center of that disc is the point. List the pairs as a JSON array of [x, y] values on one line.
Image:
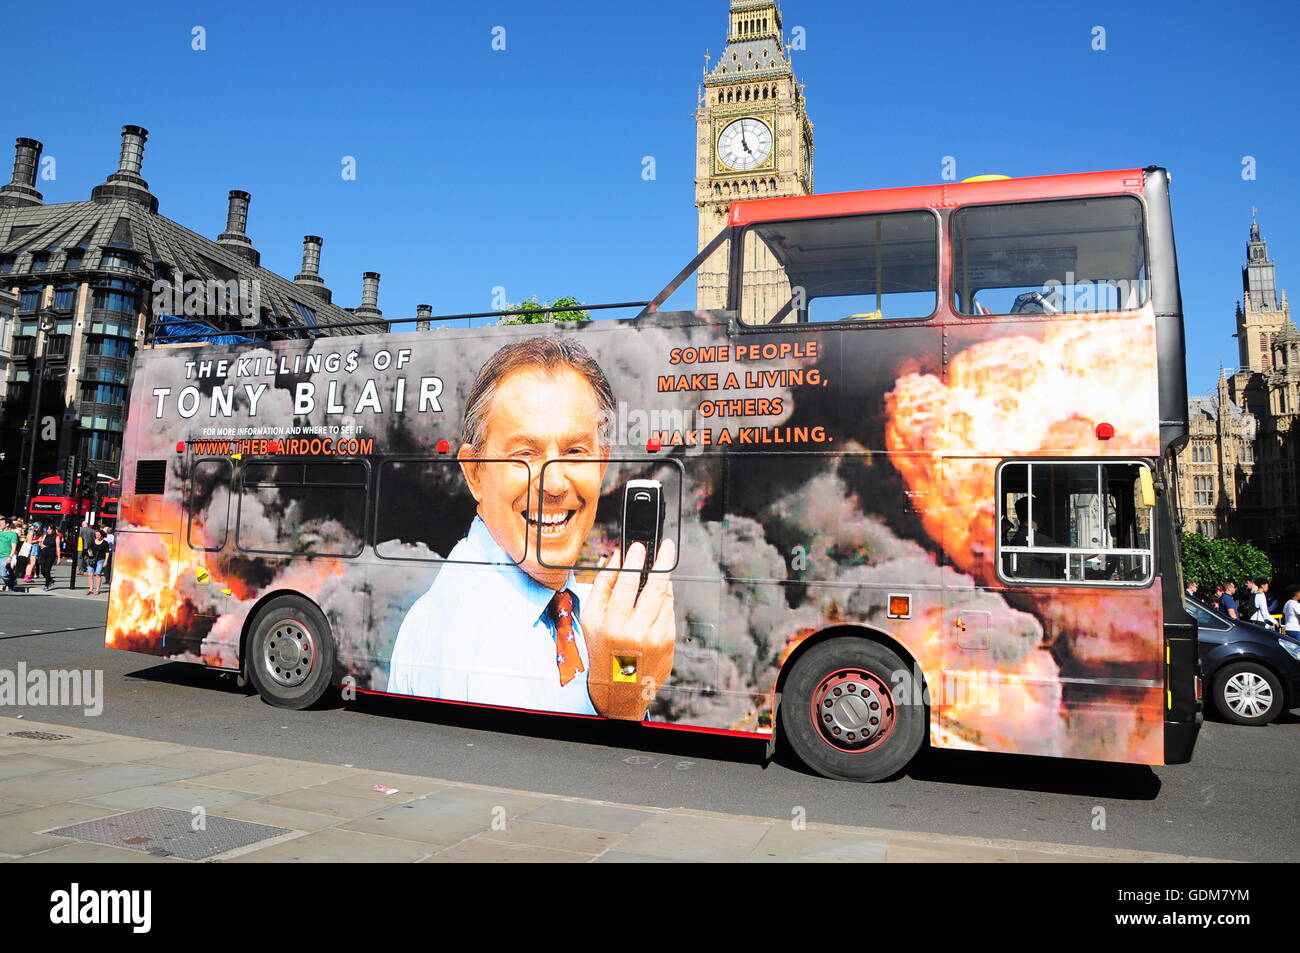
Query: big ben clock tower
[[753, 140]]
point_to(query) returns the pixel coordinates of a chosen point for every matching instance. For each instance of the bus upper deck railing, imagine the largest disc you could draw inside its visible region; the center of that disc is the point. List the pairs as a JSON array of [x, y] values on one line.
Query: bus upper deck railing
[[158, 330]]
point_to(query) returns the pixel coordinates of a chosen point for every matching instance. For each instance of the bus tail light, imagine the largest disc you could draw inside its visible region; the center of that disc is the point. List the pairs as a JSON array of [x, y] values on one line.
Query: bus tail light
[[1199, 688], [444, 446], [1105, 431], [180, 446]]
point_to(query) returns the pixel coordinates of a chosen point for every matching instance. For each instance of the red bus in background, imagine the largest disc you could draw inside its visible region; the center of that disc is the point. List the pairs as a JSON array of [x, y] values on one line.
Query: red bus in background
[[49, 500]]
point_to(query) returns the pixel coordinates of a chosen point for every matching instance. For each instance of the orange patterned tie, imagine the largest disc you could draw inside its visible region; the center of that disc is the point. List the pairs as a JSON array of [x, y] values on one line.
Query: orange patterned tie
[[566, 644]]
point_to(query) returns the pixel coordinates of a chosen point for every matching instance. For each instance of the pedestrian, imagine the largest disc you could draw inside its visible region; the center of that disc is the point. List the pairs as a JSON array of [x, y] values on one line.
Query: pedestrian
[[86, 536], [9, 543], [1228, 601], [98, 556], [1258, 606], [1191, 590], [1291, 611], [1213, 601], [50, 554], [110, 540], [31, 548]]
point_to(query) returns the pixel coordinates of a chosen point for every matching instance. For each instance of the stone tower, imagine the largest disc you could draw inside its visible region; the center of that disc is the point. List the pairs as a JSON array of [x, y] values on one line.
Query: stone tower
[[753, 139], [1261, 313], [1267, 385]]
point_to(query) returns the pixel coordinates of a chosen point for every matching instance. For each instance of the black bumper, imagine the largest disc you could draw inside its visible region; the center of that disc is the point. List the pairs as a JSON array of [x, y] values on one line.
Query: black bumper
[[1180, 739]]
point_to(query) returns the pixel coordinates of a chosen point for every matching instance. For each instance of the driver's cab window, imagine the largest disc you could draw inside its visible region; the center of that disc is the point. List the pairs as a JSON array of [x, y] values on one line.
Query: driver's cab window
[[1062, 257], [844, 268], [1074, 523]]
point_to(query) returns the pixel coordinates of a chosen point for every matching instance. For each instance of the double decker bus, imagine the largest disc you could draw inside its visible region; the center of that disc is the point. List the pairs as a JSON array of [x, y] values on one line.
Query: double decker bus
[[50, 500], [912, 485]]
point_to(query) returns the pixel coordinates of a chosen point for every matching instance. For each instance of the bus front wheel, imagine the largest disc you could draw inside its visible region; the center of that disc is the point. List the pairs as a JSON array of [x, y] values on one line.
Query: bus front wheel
[[289, 657], [851, 710]]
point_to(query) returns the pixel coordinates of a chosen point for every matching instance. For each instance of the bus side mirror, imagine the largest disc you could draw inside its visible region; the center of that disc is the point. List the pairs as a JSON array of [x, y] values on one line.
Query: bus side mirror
[[1146, 487]]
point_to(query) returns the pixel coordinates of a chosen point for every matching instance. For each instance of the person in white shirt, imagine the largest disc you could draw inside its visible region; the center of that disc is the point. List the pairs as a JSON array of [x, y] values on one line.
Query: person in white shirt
[[501, 626], [1259, 613], [1291, 612]]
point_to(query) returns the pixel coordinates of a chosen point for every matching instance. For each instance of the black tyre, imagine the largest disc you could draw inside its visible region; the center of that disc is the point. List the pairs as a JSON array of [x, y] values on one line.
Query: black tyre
[[1247, 694], [289, 657], [851, 709]]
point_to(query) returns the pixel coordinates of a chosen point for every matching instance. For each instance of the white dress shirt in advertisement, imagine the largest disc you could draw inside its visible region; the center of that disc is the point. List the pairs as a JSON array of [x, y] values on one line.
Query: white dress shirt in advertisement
[[483, 633]]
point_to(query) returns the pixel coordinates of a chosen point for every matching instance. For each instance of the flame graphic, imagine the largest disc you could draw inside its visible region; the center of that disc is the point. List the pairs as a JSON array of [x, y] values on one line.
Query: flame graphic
[[160, 588], [1018, 396], [143, 595]]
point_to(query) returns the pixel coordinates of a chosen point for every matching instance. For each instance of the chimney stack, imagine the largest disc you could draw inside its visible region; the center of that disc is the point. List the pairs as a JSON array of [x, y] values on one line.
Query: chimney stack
[[235, 237], [310, 277], [369, 297], [132, 157], [21, 190], [423, 312], [126, 185]]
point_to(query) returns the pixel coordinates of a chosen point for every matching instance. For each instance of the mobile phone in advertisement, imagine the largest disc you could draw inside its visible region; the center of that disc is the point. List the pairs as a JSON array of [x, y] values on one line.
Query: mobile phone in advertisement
[[643, 520]]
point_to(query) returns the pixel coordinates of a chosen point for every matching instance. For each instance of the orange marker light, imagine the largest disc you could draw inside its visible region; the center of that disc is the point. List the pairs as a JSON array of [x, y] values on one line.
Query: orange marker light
[[900, 606]]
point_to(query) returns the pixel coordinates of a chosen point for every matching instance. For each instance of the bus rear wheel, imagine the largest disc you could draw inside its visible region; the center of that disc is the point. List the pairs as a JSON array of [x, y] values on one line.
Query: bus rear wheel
[[851, 711], [289, 656]]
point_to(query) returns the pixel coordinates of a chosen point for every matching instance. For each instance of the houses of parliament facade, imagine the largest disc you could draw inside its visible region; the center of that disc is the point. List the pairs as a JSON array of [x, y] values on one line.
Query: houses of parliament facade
[[1237, 473]]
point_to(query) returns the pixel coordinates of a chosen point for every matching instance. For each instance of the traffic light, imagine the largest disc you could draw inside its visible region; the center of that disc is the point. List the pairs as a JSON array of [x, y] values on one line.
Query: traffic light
[[71, 471]]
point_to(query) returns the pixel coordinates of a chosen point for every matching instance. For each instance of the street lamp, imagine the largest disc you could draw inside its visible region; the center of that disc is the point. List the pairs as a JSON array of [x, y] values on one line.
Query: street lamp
[[44, 325]]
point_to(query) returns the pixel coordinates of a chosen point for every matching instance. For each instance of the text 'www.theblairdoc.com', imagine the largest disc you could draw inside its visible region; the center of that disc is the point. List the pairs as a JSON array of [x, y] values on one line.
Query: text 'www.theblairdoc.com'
[[288, 446]]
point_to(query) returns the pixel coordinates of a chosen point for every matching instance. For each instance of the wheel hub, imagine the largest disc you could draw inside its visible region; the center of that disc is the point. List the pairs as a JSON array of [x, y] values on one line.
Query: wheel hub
[[853, 710], [290, 654], [1248, 695]]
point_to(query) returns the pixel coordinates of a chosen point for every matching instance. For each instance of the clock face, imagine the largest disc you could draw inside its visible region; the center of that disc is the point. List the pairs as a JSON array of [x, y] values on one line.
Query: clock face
[[745, 144]]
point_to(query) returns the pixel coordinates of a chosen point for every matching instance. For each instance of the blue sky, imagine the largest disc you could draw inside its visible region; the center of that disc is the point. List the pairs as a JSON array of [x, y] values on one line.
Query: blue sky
[[522, 168]]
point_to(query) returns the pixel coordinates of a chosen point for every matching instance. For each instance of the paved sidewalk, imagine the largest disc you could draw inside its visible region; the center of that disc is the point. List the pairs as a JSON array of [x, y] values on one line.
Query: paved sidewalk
[[299, 811], [61, 587]]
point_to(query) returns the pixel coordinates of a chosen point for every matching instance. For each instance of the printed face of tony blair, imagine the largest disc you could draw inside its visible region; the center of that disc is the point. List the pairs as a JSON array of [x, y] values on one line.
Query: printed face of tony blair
[[538, 417]]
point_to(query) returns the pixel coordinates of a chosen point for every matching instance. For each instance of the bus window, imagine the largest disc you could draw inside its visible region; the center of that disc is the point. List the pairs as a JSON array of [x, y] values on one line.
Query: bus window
[[431, 528], [626, 509], [1073, 523], [846, 268], [1049, 257], [209, 504], [302, 509]]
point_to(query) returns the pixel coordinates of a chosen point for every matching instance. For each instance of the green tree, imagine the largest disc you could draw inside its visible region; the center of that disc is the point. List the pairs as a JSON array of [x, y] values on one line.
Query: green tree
[[535, 313], [1208, 562]]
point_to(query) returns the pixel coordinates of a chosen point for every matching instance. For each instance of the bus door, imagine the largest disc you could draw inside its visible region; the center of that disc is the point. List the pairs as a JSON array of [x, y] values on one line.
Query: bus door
[[207, 534]]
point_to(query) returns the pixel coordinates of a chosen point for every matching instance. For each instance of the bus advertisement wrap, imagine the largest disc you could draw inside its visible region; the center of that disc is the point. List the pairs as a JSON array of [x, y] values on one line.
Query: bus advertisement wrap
[[473, 511]]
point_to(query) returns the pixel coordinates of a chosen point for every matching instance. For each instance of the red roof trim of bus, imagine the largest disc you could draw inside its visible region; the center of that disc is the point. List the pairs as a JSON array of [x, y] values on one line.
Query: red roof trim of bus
[[938, 196]]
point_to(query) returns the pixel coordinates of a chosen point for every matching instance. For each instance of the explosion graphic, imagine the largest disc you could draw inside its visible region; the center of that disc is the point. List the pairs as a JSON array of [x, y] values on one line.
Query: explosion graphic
[[1021, 396]]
